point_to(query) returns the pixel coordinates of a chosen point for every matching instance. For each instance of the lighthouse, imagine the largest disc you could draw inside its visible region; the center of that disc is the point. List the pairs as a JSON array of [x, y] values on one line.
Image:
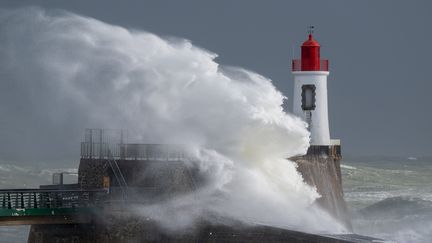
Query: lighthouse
[[320, 165], [310, 91]]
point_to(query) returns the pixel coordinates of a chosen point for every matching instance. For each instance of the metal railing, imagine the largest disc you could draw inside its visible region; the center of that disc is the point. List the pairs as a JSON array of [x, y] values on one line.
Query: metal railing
[[133, 151], [297, 65], [40, 198]]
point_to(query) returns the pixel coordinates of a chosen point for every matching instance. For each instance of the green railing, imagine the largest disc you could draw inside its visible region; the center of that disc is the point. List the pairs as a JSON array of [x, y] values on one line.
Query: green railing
[[37, 202]]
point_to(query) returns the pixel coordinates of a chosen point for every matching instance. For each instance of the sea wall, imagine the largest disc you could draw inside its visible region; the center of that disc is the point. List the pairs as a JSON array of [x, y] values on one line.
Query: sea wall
[[65, 233], [148, 179], [320, 168], [133, 230]]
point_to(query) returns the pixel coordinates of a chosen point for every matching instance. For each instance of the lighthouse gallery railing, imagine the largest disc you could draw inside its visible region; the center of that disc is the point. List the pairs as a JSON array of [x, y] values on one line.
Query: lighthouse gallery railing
[[296, 65]]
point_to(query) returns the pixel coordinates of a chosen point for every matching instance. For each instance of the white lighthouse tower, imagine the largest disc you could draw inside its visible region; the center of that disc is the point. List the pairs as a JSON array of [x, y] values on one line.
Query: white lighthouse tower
[[310, 91]]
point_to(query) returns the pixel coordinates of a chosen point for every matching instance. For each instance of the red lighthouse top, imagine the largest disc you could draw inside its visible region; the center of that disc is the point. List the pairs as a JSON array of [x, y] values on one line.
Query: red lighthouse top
[[310, 57], [311, 41]]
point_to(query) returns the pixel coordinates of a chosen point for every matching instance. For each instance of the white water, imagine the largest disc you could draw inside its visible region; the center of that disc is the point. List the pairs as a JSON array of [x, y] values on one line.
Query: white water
[[390, 198], [64, 72]]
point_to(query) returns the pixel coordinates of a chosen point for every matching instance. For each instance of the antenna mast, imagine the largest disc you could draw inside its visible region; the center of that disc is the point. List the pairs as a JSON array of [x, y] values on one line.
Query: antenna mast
[[311, 29]]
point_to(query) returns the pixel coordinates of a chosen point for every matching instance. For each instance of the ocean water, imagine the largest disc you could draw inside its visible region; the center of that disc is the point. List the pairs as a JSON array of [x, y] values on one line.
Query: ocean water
[[389, 198]]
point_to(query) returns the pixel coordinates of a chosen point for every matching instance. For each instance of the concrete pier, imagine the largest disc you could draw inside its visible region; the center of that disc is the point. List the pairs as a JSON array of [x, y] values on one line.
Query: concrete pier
[[117, 230], [152, 172], [320, 168]]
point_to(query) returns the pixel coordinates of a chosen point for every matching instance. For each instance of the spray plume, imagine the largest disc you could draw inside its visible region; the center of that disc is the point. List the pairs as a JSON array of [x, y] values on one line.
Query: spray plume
[[62, 72]]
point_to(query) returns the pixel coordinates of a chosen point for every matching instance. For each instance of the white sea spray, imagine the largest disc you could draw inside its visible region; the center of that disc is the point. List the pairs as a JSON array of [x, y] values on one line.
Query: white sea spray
[[65, 72]]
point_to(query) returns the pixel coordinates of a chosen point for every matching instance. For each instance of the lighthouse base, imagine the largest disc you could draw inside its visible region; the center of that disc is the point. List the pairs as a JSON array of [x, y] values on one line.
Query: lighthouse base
[[320, 168]]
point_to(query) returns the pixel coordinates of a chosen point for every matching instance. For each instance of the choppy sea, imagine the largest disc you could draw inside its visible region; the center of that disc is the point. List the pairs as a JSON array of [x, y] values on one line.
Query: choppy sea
[[388, 197]]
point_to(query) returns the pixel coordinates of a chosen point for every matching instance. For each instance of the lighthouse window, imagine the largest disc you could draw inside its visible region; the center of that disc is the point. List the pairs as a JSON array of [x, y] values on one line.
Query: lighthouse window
[[308, 97]]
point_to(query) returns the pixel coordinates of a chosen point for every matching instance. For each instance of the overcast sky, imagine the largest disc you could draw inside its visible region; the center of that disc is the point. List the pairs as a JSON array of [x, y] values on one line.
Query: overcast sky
[[379, 52]]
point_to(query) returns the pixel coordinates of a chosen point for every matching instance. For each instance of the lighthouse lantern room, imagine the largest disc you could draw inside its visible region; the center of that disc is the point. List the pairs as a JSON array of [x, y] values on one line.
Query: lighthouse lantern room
[[310, 90]]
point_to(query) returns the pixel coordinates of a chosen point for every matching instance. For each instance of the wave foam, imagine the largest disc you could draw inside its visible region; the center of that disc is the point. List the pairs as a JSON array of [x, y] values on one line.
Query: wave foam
[[66, 72]]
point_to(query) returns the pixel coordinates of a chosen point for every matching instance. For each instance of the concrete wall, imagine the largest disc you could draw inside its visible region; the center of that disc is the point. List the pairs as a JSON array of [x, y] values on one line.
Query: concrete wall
[[147, 179], [320, 167], [64, 233], [132, 230], [91, 173]]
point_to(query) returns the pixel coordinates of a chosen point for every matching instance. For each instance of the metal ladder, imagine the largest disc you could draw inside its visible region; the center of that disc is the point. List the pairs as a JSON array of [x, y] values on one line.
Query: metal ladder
[[118, 174], [309, 119]]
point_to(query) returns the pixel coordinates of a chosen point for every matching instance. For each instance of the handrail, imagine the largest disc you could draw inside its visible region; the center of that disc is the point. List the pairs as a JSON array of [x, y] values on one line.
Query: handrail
[[96, 150], [118, 175], [42, 198], [49, 190], [297, 65]]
